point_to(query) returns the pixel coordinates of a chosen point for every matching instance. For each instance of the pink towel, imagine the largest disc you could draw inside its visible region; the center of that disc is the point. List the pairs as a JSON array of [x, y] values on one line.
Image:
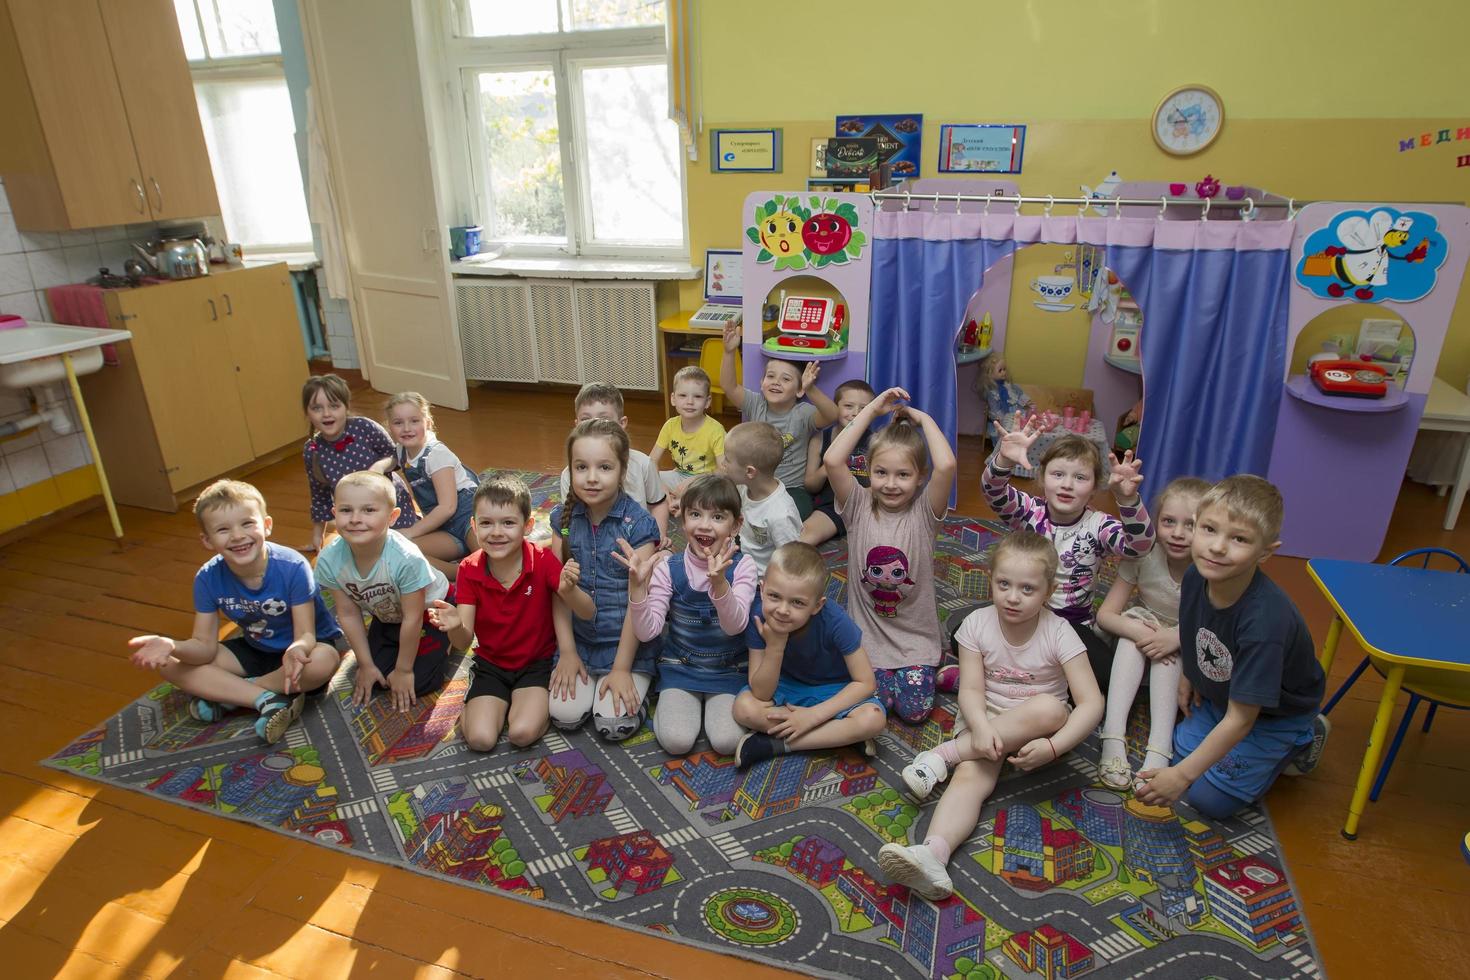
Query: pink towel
[[82, 306]]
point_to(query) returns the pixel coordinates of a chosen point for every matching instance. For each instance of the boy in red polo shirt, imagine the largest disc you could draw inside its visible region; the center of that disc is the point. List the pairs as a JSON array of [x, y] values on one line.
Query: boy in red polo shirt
[[507, 592]]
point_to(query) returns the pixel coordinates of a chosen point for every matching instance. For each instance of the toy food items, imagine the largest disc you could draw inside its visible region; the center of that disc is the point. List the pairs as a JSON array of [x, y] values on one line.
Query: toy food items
[[1353, 379]]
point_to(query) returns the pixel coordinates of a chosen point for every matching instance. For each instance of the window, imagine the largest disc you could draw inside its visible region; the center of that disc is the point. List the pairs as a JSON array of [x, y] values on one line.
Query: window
[[569, 144], [234, 55]]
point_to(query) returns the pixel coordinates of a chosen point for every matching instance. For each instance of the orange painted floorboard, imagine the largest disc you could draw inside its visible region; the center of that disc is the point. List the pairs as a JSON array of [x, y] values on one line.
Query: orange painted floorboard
[[101, 882]]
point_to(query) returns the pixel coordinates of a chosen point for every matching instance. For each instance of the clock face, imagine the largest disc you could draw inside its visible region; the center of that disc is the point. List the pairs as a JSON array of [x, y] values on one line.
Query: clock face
[[1188, 120]]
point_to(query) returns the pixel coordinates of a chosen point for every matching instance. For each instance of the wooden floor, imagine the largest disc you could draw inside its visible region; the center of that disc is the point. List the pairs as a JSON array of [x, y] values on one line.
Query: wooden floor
[[101, 882]]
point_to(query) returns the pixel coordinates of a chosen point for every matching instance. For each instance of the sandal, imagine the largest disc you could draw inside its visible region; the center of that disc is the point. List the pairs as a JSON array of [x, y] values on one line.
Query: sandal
[[1114, 773], [209, 712]]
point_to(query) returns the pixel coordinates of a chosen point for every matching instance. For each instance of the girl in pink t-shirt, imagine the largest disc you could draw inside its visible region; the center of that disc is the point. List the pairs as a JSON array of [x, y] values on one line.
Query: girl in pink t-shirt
[[891, 526], [1019, 661]]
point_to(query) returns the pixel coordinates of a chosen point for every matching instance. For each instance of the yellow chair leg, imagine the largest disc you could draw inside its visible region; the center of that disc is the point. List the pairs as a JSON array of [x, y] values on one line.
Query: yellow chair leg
[[1392, 683], [76, 394], [1329, 649]]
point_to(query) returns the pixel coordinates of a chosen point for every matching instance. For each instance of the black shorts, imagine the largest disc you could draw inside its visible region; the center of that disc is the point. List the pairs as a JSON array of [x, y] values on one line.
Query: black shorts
[[803, 500], [1099, 654], [428, 663], [488, 680], [829, 508], [258, 663]]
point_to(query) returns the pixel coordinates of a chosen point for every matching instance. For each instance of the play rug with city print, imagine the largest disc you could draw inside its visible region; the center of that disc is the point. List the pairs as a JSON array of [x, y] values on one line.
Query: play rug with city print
[[1061, 879]]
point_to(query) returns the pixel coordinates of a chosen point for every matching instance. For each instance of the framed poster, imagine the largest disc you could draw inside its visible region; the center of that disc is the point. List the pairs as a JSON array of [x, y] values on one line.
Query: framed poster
[[745, 151], [900, 139], [981, 148], [724, 279]]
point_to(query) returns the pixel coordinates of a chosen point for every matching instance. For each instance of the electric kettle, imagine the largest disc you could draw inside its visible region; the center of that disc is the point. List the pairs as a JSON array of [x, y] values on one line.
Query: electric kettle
[[176, 258]]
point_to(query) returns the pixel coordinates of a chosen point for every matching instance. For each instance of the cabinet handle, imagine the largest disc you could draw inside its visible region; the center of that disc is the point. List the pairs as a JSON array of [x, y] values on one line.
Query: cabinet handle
[[213, 311], [159, 191], [138, 190], [229, 307]]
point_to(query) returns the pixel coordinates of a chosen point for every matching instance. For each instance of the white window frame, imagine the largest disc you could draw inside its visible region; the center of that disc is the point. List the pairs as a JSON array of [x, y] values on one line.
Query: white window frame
[[563, 55]]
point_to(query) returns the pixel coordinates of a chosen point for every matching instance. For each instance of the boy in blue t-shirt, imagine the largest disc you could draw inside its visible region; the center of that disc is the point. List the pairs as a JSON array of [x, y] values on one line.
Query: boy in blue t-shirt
[[287, 633], [1252, 685], [811, 684]]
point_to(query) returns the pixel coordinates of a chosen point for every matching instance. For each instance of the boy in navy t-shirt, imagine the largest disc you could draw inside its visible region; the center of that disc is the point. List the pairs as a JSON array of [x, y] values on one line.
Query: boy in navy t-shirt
[[287, 636], [1252, 685], [811, 685]]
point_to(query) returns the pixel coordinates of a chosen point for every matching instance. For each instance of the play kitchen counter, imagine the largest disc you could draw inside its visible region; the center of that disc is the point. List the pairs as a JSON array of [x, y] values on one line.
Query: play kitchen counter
[[209, 384]]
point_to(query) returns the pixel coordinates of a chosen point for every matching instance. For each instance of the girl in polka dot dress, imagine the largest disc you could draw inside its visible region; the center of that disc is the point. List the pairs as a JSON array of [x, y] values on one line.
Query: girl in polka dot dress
[[343, 443]]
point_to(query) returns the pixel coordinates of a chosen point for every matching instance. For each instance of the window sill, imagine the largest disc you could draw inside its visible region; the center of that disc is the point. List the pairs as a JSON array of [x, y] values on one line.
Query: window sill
[[548, 267], [295, 261]]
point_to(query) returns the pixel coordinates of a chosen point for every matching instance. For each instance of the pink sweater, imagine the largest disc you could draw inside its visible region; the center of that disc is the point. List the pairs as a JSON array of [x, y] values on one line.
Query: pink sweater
[[733, 608]]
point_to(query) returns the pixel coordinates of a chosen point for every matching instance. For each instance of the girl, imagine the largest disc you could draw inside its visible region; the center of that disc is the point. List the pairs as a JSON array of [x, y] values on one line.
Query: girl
[[891, 527], [588, 527], [509, 596], [1070, 470], [1148, 632], [1018, 664], [443, 487], [343, 443], [704, 595], [1003, 400]]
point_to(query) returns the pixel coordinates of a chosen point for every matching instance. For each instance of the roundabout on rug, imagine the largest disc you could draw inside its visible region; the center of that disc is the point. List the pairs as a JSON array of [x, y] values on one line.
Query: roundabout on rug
[[750, 917]]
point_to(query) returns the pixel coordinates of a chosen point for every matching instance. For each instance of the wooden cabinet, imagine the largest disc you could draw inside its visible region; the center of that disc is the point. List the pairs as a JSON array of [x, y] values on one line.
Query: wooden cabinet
[[210, 382], [99, 114]]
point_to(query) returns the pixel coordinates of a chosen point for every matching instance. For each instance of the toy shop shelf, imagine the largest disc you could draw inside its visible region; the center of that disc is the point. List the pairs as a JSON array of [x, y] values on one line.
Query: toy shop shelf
[[1129, 364], [797, 354], [1299, 386], [970, 355]]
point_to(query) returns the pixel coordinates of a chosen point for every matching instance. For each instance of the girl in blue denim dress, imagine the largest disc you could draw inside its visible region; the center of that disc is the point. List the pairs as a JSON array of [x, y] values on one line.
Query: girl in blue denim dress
[[609, 675], [443, 487]]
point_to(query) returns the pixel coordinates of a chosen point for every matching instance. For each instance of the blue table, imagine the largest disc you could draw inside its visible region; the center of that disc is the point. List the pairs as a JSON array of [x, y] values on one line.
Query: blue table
[[1411, 622]]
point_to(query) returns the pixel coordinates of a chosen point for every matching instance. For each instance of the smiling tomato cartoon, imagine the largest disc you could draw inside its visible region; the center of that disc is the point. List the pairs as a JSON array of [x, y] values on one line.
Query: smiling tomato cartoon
[[781, 233], [826, 233]]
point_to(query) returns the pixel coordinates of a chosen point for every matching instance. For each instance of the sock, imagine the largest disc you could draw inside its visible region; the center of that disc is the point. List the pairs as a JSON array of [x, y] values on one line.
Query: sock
[[939, 847], [949, 752], [265, 698]]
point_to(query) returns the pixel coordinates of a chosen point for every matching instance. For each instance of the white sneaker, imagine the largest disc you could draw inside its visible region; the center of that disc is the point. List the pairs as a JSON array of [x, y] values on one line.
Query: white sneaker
[[918, 868], [924, 773]]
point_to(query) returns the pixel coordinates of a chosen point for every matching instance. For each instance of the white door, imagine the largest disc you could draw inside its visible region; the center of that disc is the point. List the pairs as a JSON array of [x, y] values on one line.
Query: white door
[[366, 69]]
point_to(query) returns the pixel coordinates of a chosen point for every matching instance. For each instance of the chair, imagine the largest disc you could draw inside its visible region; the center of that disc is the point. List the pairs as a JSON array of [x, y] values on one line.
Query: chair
[[1451, 699], [711, 353]]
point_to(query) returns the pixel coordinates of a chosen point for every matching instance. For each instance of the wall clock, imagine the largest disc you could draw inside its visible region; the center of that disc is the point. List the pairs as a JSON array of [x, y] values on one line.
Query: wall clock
[[1188, 120]]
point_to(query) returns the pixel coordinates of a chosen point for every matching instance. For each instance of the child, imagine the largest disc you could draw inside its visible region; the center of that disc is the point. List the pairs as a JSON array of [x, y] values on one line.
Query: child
[[589, 527], [779, 402], [891, 526], [640, 476], [508, 595], [825, 522], [1147, 632], [1252, 684], [704, 595], [691, 437], [1070, 470], [1019, 661], [811, 686], [343, 443], [443, 487], [371, 568], [287, 634], [1003, 399], [769, 517]]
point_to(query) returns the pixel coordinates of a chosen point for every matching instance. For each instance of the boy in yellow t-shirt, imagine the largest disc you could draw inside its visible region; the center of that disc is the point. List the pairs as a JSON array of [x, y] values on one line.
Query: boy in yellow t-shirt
[[694, 440]]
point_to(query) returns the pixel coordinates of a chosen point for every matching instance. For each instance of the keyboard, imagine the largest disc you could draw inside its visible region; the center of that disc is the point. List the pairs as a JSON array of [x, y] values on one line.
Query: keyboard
[[715, 315]]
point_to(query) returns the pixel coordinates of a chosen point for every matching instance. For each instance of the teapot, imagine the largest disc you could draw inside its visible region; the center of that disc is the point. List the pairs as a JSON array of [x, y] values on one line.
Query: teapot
[[176, 258]]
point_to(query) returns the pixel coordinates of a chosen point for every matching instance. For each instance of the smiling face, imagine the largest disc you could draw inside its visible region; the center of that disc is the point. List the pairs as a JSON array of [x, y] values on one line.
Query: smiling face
[[852, 402], [1020, 587], [690, 400], [1225, 547], [237, 533], [362, 513], [408, 426], [709, 527], [788, 602], [1175, 526], [327, 416], [894, 477], [781, 233], [597, 476], [781, 384], [1068, 485], [500, 529]]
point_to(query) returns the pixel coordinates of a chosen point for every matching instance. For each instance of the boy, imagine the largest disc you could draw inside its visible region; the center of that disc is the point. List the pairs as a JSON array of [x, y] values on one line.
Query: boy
[[641, 482], [1252, 684], [811, 686], [825, 522], [768, 514], [266, 589], [370, 567], [692, 438], [779, 402]]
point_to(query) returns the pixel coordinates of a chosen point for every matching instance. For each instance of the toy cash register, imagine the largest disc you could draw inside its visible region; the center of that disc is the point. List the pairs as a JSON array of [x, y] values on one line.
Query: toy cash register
[[1353, 379], [809, 325]]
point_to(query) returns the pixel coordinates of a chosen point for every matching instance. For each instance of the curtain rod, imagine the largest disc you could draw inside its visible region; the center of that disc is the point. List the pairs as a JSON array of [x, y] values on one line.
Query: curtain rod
[[1249, 205]]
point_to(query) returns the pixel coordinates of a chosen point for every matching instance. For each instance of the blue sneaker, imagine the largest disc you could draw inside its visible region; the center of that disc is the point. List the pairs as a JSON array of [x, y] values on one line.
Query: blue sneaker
[[209, 712], [276, 715]]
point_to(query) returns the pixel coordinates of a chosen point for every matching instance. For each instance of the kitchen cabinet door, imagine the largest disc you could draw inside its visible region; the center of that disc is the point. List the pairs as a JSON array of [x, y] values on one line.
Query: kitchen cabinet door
[[153, 75], [258, 308], [183, 355]]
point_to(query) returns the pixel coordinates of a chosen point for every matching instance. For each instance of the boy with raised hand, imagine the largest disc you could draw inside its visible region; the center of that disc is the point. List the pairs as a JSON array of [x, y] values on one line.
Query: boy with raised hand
[[287, 636], [1252, 685]]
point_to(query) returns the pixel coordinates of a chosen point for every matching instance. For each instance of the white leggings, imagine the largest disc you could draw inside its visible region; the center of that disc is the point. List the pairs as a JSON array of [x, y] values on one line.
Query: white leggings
[[584, 703], [676, 723], [1163, 695]]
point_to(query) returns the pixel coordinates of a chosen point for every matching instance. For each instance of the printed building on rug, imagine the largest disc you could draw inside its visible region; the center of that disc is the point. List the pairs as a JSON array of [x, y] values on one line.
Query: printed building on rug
[[637, 857], [1253, 897], [1047, 950], [578, 788], [1032, 853]]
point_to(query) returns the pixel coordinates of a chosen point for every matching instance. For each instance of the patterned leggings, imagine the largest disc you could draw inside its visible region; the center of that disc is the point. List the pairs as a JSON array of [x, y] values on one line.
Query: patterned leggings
[[907, 692]]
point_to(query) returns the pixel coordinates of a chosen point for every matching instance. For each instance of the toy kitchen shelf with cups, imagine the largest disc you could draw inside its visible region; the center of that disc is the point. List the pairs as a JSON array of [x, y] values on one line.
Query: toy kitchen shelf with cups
[[970, 355]]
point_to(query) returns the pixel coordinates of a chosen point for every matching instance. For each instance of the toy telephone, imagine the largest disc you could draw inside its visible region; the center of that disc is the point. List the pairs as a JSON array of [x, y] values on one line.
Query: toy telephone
[[809, 322], [1355, 379]]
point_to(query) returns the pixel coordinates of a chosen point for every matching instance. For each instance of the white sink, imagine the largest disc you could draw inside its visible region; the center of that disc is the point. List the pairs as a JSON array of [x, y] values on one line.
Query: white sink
[[31, 355]]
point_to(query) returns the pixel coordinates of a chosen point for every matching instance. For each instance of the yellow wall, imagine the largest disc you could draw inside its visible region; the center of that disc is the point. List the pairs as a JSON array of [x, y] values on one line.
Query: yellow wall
[[1317, 96]]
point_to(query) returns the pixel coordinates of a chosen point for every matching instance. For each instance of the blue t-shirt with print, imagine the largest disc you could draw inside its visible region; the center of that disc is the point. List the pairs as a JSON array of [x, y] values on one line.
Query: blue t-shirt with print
[[264, 614], [815, 654]]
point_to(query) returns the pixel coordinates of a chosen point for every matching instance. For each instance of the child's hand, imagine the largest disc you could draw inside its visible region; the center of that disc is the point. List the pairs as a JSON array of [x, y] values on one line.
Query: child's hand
[[318, 532], [1014, 446], [768, 631], [571, 574], [151, 652], [1160, 645], [788, 723], [890, 401], [619, 683], [1125, 477], [987, 742], [718, 559], [1033, 755], [368, 677], [732, 337], [292, 664], [640, 569], [808, 377], [1161, 787], [564, 677], [443, 616], [1188, 696], [400, 682]]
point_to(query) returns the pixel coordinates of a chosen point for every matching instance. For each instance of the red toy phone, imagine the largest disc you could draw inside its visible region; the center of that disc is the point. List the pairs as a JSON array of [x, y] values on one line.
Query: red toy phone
[[787, 340], [1355, 379]]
